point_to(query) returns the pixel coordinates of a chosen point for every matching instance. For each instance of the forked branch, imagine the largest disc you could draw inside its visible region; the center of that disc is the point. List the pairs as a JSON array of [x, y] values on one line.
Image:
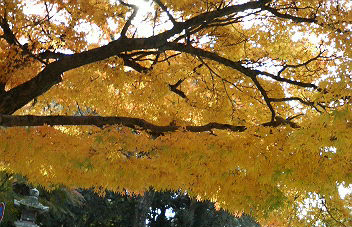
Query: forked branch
[[174, 88]]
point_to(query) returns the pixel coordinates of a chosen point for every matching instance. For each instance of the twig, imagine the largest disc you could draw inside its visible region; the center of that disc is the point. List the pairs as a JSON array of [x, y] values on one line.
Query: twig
[[164, 8], [129, 21], [265, 96]]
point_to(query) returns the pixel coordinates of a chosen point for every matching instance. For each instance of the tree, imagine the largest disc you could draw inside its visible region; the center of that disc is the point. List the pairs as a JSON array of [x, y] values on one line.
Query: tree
[[6, 196], [247, 103], [114, 209], [61, 200], [81, 208]]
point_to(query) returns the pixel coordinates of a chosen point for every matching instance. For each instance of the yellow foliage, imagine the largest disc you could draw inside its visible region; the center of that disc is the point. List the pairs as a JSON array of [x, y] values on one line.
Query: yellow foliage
[[256, 65]]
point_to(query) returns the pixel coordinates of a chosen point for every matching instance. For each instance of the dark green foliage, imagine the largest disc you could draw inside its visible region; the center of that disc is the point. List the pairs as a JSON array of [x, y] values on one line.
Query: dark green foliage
[[164, 209], [191, 213], [8, 187], [84, 208], [110, 210]]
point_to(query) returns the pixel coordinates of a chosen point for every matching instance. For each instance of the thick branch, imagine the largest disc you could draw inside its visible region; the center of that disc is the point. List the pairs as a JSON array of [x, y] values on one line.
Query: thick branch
[[134, 123], [51, 74], [2, 88], [52, 55], [8, 35]]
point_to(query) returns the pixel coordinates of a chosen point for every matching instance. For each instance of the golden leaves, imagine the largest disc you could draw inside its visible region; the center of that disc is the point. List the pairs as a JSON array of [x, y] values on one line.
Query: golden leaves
[[261, 169]]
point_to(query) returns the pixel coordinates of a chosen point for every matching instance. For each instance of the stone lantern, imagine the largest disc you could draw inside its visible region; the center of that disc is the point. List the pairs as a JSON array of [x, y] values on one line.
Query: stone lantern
[[30, 207]]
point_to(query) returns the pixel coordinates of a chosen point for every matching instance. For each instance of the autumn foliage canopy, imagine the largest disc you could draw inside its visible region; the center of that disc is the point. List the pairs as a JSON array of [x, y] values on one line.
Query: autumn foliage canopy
[[245, 103]]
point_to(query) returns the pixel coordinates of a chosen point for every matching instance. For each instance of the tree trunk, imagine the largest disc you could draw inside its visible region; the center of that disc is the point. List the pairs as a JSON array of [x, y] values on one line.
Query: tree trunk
[[142, 208]]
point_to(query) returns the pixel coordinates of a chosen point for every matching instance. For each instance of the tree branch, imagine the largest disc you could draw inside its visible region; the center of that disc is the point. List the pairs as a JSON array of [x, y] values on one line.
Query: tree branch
[[8, 35], [289, 81], [173, 88], [11, 39], [133, 64], [163, 7], [291, 99], [330, 214], [52, 55], [134, 123], [288, 16], [300, 65], [265, 96], [19, 96], [130, 122], [129, 21]]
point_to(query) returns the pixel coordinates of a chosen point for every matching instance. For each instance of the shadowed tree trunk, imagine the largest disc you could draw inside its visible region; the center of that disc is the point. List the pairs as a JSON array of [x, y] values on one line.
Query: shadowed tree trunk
[[142, 208]]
